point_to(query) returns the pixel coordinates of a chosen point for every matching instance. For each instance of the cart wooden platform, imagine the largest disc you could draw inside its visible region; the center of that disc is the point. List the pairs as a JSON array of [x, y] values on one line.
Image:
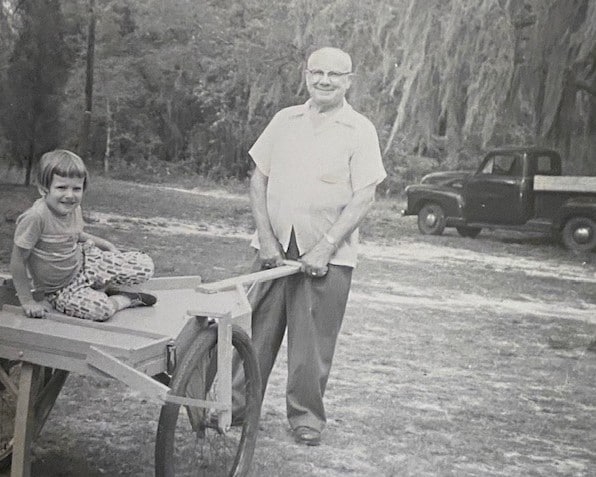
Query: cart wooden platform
[[178, 353]]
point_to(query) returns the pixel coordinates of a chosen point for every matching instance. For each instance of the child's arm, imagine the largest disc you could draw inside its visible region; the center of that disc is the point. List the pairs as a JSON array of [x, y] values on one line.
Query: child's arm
[[99, 242], [18, 269]]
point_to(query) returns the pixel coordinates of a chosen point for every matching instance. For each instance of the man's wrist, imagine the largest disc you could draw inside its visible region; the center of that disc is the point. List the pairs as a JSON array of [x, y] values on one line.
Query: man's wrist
[[330, 240]]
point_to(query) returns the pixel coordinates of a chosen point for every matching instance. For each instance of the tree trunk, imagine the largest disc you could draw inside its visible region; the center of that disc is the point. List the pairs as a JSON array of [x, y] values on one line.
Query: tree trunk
[[106, 156], [29, 167], [86, 127]]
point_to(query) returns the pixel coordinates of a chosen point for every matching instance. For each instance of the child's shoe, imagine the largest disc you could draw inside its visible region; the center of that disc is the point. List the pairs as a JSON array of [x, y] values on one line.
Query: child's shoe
[[137, 297]]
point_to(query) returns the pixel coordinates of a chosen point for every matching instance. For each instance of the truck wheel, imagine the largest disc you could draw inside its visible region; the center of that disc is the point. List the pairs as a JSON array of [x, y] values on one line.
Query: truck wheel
[[466, 231], [431, 219], [579, 234]]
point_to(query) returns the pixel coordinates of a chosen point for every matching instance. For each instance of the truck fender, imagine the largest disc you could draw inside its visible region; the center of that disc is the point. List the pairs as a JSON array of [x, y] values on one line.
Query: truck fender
[[581, 206], [451, 201]]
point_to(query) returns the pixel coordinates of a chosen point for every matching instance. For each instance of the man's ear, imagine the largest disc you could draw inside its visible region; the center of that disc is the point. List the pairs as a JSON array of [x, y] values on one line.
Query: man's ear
[[42, 191], [349, 82]]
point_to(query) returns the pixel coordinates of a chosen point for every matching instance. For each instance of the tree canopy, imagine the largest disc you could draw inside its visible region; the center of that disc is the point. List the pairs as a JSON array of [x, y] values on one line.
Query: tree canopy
[[191, 84]]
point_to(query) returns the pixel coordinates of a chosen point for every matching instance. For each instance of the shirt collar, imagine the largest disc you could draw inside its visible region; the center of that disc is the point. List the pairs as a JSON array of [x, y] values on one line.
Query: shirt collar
[[345, 115]]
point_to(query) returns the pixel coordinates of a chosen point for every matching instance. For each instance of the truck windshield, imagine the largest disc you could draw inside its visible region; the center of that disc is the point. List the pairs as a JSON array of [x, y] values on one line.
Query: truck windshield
[[503, 165]]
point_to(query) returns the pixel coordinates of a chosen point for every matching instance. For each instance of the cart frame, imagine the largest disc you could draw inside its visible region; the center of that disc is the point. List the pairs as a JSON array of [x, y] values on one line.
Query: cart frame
[[125, 348]]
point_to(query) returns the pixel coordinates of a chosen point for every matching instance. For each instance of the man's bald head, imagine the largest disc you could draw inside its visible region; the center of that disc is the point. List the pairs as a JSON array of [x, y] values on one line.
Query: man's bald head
[[331, 53]]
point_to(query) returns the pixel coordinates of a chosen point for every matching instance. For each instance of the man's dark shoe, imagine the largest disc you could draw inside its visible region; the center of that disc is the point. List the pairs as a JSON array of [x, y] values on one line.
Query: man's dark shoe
[[307, 435]]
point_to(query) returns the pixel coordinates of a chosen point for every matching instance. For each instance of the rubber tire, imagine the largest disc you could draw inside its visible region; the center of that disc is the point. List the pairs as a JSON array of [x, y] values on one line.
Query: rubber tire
[[203, 352], [52, 382], [568, 234], [465, 231], [438, 224]]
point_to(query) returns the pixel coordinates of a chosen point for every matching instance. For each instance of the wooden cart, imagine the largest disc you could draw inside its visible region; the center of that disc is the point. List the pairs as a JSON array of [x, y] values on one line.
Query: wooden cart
[[177, 353]]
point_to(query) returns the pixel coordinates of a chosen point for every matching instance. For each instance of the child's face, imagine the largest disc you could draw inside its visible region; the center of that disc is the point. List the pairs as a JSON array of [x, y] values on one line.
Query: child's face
[[64, 194]]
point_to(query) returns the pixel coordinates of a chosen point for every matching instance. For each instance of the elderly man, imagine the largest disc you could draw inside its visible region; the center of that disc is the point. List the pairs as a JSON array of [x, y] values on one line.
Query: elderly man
[[317, 167]]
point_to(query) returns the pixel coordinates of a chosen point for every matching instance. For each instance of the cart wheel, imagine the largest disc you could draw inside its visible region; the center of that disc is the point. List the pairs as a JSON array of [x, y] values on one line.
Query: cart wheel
[[189, 442], [51, 383]]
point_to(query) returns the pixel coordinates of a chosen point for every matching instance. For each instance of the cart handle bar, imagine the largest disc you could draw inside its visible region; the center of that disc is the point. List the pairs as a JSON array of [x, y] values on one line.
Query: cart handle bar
[[290, 267]]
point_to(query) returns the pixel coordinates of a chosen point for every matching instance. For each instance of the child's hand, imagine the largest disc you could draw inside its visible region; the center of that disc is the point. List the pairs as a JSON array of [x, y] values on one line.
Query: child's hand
[[112, 247], [102, 244], [36, 309]]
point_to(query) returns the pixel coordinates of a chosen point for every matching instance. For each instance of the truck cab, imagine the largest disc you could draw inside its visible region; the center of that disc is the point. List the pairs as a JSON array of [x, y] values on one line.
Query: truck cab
[[501, 190]]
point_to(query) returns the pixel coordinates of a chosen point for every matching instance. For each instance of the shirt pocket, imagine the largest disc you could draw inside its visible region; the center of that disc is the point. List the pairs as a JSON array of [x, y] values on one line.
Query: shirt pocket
[[335, 168]]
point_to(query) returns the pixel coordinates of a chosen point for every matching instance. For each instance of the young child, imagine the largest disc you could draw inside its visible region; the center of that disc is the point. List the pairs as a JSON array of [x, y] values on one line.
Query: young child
[[79, 273]]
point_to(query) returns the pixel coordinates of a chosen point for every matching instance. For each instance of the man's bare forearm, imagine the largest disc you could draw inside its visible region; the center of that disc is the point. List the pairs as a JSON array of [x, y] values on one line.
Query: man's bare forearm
[[317, 259], [258, 200], [353, 214], [270, 250]]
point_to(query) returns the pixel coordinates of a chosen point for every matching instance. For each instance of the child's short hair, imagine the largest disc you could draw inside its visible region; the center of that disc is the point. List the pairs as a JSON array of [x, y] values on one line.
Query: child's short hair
[[63, 163]]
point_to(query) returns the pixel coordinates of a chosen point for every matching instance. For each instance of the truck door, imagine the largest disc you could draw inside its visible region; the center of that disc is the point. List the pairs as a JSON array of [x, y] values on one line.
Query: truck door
[[495, 193]]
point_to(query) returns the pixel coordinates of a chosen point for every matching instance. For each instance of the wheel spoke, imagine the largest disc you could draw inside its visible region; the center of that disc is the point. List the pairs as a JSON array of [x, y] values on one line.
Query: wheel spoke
[[7, 382], [190, 441], [10, 370]]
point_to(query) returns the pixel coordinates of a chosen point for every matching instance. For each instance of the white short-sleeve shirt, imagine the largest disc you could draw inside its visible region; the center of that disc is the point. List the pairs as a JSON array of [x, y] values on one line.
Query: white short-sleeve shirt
[[314, 172]]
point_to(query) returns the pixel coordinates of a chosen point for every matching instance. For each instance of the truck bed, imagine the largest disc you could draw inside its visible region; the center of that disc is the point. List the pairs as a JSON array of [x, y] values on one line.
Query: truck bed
[[585, 184]]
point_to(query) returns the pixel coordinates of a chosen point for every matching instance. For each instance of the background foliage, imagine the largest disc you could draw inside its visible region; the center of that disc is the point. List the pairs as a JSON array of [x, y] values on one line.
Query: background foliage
[[187, 85]]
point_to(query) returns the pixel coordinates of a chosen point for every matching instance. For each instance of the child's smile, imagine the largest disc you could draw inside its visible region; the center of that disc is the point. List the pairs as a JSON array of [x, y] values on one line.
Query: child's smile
[[64, 194]]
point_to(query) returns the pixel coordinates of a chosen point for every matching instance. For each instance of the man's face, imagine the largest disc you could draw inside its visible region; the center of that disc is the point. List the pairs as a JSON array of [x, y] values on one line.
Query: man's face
[[328, 78]]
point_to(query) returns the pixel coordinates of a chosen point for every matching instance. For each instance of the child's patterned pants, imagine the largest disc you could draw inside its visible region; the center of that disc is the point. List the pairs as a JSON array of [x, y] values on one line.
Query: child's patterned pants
[[84, 296]]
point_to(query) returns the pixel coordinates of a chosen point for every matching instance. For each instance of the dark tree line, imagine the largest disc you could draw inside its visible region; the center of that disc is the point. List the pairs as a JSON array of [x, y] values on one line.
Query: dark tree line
[[188, 85], [31, 93]]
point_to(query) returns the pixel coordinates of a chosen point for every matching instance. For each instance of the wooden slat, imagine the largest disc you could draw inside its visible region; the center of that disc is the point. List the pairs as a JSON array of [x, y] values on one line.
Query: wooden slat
[[244, 320], [45, 403], [152, 389], [24, 421], [98, 325], [51, 359], [173, 283], [565, 183], [289, 268], [185, 401], [138, 381], [65, 345], [224, 370]]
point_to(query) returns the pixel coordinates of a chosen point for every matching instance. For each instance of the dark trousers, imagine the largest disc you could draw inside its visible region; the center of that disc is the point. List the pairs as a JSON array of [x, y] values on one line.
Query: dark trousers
[[312, 310]]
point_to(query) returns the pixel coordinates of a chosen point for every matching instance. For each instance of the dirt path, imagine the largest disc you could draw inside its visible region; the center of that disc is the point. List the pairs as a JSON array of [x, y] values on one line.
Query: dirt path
[[451, 362], [424, 256]]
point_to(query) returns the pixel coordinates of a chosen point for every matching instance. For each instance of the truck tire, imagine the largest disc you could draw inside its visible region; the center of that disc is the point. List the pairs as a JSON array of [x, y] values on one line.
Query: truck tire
[[579, 234], [431, 219]]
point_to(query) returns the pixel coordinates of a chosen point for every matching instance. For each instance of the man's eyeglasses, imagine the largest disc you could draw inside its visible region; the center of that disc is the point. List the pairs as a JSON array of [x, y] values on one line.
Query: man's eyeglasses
[[318, 75]]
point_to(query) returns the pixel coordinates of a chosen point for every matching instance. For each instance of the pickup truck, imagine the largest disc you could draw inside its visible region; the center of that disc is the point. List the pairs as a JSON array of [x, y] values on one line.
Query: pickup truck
[[515, 187]]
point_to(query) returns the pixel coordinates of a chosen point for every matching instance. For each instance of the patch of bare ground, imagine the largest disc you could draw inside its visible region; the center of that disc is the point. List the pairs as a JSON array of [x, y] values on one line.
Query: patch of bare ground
[[457, 357]]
